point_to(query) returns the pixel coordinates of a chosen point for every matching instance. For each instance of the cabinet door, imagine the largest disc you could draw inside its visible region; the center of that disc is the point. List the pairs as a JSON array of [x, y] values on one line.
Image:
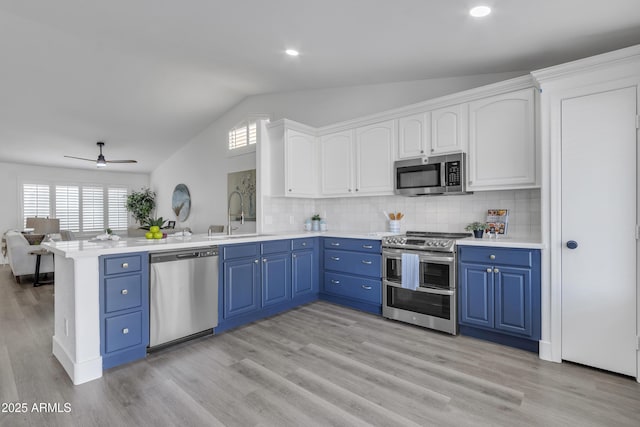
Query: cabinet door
[[336, 163], [414, 135], [374, 158], [300, 161], [502, 150], [241, 285], [304, 273], [449, 129], [513, 300], [276, 279], [476, 295]]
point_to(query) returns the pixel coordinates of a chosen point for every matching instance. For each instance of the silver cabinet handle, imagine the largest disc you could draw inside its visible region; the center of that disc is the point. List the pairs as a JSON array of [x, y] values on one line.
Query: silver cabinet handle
[[293, 255], [264, 260], [125, 331], [367, 246], [125, 265], [349, 190], [304, 243], [489, 270], [289, 190], [357, 189], [335, 282], [492, 256], [124, 292], [255, 261], [364, 261], [335, 258], [335, 244], [366, 287], [495, 270]]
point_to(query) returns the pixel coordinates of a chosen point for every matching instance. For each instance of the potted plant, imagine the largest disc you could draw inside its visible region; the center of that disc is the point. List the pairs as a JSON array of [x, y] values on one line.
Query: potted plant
[[477, 228], [154, 225], [315, 221], [141, 204]]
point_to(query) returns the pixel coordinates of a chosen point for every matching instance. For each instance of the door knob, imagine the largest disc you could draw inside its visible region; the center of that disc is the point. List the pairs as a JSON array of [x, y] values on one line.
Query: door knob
[[572, 244]]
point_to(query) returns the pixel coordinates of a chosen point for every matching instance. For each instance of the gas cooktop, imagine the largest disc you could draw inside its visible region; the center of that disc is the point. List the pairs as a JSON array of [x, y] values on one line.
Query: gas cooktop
[[424, 241]]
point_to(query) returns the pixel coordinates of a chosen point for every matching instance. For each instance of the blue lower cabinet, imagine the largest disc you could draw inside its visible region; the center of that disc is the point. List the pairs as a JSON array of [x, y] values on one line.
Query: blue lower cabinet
[[352, 273], [241, 287], [500, 302], [304, 273], [124, 308], [276, 279], [263, 279]]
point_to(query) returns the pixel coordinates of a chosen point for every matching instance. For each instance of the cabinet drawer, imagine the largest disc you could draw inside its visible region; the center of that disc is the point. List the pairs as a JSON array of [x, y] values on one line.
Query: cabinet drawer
[[353, 287], [240, 251], [353, 262], [502, 256], [297, 244], [122, 292], [123, 331], [275, 246], [360, 245], [122, 264]]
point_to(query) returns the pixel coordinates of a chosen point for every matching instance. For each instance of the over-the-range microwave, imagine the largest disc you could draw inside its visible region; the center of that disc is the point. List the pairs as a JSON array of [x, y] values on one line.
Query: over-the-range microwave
[[423, 176]]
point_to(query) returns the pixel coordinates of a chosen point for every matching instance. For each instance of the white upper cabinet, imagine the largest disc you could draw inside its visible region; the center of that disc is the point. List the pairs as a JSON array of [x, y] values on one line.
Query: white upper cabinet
[[300, 162], [414, 135], [336, 163], [449, 129], [374, 158], [358, 162], [502, 150]]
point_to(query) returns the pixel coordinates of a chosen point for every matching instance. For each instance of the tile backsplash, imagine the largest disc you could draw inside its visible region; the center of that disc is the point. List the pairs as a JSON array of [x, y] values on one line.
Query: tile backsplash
[[431, 213]]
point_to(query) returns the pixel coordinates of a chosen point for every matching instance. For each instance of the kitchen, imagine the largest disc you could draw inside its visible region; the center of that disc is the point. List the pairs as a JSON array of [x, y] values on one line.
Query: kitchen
[[287, 214]]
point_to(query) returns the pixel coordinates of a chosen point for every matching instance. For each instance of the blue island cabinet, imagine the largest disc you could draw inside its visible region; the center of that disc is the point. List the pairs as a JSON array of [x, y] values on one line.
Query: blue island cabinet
[[124, 308], [499, 295], [262, 279]]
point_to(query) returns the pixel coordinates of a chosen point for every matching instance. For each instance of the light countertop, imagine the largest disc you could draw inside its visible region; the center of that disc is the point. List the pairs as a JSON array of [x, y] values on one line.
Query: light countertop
[[503, 242], [94, 247]]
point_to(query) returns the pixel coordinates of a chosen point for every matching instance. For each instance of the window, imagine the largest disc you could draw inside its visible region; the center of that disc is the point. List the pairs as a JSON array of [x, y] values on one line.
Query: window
[[68, 207], [117, 208], [35, 201], [243, 135], [92, 209]]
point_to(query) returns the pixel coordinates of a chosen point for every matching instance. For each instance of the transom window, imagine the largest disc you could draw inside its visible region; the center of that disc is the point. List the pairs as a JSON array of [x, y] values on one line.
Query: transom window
[[243, 135]]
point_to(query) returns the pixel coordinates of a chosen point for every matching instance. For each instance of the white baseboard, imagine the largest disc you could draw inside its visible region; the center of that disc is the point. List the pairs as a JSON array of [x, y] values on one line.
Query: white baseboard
[[78, 372], [545, 352]]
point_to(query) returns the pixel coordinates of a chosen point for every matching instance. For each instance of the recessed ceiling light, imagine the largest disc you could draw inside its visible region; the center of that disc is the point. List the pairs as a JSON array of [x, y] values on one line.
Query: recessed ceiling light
[[292, 52], [480, 11]]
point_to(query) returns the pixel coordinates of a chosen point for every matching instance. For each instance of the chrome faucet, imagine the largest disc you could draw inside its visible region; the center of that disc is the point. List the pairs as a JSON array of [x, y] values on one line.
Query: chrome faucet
[[229, 210]]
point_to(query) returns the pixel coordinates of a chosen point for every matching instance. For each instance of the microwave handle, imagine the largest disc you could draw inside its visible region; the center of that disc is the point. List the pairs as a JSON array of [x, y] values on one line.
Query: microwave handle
[[443, 174]]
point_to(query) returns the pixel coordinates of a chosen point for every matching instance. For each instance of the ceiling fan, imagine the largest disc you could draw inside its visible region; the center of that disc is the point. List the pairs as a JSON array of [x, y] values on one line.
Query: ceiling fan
[[101, 161]]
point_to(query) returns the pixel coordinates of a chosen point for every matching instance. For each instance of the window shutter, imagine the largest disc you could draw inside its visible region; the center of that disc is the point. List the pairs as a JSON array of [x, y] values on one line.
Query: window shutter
[[68, 207], [117, 205], [243, 135], [35, 201], [92, 209]]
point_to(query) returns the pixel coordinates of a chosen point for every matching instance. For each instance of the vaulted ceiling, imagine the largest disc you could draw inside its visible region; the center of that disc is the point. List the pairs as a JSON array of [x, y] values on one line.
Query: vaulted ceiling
[[147, 75]]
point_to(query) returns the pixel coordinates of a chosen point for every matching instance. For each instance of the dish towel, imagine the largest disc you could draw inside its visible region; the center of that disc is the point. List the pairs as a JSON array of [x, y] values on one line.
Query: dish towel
[[410, 271]]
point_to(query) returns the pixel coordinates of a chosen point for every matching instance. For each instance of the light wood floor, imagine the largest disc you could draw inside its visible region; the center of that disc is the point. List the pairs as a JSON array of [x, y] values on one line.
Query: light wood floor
[[320, 364]]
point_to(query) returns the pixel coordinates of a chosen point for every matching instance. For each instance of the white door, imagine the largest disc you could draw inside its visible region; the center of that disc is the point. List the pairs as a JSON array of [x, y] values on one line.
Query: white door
[[336, 163], [599, 200], [414, 135], [449, 129], [301, 164], [374, 158]]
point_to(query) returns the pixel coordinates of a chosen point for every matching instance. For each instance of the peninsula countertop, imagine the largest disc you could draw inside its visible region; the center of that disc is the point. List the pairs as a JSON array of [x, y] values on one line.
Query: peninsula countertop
[[94, 247]]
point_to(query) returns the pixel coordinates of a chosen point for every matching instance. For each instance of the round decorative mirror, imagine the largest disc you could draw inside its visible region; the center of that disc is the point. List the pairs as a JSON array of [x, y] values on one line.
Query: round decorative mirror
[[181, 202]]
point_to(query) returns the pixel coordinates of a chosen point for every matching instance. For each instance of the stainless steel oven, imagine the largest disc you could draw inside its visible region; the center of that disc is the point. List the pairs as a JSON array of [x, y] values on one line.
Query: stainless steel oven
[[433, 303]]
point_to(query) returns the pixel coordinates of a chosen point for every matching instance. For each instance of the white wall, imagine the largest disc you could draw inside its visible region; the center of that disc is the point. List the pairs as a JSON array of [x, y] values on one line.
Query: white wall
[[12, 175], [203, 164]]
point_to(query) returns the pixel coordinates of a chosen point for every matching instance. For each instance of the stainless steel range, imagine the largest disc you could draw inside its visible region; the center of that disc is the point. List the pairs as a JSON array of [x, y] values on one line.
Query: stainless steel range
[[426, 296]]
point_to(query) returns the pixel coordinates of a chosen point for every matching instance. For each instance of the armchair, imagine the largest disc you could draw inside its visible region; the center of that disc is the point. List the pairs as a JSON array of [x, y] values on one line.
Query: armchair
[[21, 262]]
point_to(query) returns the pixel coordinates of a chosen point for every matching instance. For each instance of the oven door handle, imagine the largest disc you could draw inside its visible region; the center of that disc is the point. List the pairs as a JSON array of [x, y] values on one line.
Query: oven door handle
[[397, 254], [449, 292]]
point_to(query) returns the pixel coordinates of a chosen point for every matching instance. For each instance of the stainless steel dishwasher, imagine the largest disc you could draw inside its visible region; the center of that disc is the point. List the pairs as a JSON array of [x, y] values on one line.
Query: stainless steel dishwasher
[[183, 295]]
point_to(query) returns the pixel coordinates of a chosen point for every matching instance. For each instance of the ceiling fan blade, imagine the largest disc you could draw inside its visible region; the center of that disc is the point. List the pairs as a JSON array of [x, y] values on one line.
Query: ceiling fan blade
[[122, 161], [81, 158]]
